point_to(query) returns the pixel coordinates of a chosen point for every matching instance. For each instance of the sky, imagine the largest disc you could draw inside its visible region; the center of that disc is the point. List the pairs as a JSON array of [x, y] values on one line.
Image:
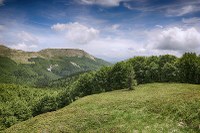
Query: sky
[[113, 30]]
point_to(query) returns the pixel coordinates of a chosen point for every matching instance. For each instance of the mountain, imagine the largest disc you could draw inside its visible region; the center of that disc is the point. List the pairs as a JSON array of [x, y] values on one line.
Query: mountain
[[20, 56], [38, 68]]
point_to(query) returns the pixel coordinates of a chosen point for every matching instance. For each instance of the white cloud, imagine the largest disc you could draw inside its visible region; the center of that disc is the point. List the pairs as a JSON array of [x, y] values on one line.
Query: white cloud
[[161, 40], [116, 48], [111, 30], [178, 8], [115, 26], [114, 43], [25, 41], [77, 32], [159, 26], [27, 37], [112, 48], [107, 3], [128, 6], [193, 20], [175, 39], [2, 27], [1, 2], [23, 46], [182, 10], [59, 27]]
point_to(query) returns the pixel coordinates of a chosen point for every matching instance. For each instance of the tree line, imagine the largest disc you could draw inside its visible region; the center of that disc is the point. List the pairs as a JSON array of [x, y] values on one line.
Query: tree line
[[167, 68]]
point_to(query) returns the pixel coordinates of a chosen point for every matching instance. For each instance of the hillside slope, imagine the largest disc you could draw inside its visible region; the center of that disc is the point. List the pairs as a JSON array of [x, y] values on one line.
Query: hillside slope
[[159, 107], [21, 67]]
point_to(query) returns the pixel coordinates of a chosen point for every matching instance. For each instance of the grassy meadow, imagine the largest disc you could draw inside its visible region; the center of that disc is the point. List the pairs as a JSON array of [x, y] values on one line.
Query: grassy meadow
[[150, 108]]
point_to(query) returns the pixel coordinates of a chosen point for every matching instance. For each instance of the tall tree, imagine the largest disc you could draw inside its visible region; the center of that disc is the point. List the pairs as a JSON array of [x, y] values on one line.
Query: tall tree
[[139, 66], [188, 67], [122, 76]]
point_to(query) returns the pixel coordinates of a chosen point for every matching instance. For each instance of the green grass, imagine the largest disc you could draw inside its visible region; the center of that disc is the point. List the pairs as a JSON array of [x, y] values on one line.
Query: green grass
[[150, 108]]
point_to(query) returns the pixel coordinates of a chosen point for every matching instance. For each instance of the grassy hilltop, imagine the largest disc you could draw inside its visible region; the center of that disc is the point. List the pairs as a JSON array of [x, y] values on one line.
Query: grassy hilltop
[[157, 107]]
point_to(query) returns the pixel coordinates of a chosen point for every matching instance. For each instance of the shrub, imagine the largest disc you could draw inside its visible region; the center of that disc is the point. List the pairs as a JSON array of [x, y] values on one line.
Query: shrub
[[46, 104]]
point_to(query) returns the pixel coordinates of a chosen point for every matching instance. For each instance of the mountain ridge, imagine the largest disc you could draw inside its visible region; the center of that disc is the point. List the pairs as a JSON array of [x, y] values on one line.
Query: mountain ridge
[[21, 56]]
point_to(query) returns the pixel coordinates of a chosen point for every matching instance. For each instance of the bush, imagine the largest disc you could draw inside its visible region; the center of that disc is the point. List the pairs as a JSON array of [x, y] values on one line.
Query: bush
[[9, 121], [46, 104]]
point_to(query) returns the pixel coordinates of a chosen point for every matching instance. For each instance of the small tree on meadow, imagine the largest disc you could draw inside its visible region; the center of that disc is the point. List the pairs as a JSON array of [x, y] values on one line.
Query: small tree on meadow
[[122, 76], [131, 77]]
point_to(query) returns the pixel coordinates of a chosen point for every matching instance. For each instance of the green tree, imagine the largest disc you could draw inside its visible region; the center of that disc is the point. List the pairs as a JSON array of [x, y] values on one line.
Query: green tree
[[122, 76], [46, 104], [139, 66], [131, 78], [152, 72], [84, 85], [21, 110], [188, 66], [168, 68], [101, 80], [169, 72]]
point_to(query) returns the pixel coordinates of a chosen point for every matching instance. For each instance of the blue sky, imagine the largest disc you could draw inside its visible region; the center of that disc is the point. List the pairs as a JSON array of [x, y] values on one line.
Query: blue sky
[[110, 29]]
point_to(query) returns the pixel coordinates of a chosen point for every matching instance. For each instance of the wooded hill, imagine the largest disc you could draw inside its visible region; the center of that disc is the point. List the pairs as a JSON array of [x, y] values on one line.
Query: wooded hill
[[40, 68]]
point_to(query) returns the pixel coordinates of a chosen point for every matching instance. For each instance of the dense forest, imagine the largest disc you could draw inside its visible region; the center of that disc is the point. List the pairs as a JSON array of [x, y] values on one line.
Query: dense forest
[[21, 102]]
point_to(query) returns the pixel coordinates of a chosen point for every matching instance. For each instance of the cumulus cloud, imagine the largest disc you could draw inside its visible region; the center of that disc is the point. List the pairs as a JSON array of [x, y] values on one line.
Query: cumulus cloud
[[107, 3], [175, 39], [77, 32]]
